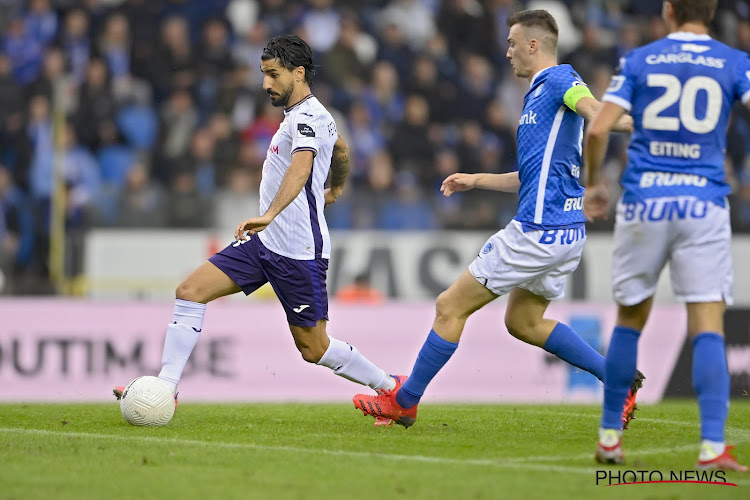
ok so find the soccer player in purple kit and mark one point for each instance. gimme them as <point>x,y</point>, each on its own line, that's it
<point>531,258</point>
<point>680,91</point>
<point>288,245</point>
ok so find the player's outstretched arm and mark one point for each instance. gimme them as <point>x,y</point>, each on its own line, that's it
<point>454,183</point>
<point>294,180</point>
<point>588,108</point>
<point>596,197</point>
<point>339,170</point>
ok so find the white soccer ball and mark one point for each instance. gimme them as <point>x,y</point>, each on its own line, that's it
<point>147,401</point>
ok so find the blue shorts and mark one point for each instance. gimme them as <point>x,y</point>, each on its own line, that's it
<point>300,285</point>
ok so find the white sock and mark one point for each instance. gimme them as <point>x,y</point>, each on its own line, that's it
<point>609,437</point>
<point>711,449</point>
<point>346,361</point>
<point>182,335</point>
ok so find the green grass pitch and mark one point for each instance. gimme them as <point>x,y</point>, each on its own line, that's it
<point>305,451</point>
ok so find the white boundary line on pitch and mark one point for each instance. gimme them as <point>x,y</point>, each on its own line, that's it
<point>518,463</point>
<point>510,463</point>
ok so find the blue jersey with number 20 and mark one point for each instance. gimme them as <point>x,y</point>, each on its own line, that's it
<point>680,91</point>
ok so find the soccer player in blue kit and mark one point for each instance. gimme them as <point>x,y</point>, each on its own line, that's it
<point>679,91</point>
<point>532,256</point>
<point>288,245</point>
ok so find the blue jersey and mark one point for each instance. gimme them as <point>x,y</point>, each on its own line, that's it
<point>549,141</point>
<point>680,91</point>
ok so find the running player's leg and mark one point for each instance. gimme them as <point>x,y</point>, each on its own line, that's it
<point>701,275</point>
<point>229,271</point>
<point>710,374</point>
<point>619,373</point>
<point>640,253</point>
<point>203,285</point>
<point>452,308</point>
<point>524,318</point>
<point>342,358</point>
<point>622,355</point>
<point>300,286</point>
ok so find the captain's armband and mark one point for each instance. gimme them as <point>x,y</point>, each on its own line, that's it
<point>575,94</point>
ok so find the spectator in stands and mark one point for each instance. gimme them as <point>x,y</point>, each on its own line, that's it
<point>41,21</point>
<point>440,93</point>
<point>321,23</point>
<point>240,196</point>
<point>360,291</point>
<point>179,119</point>
<point>96,108</point>
<point>412,19</point>
<point>24,51</point>
<point>173,63</point>
<point>214,63</point>
<point>141,202</point>
<point>76,43</point>
<point>411,147</point>
<point>16,231</point>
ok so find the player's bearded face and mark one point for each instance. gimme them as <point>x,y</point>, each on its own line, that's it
<point>280,98</point>
<point>278,82</point>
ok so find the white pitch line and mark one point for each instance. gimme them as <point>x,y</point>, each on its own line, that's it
<point>510,463</point>
<point>517,463</point>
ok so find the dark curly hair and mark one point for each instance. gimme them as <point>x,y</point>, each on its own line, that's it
<point>291,51</point>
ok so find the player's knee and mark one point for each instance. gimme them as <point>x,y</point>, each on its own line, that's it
<point>311,354</point>
<point>188,291</point>
<point>445,308</point>
<point>517,326</point>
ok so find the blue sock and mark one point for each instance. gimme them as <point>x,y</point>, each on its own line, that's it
<point>622,356</point>
<point>567,345</point>
<point>711,383</point>
<point>435,352</point>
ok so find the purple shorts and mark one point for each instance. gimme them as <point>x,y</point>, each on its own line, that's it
<point>299,284</point>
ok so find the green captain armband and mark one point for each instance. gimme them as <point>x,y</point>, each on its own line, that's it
<point>575,94</point>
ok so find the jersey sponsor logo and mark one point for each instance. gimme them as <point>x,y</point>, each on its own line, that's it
<point>674,149</point>
<point>573,204</point>
<point>562,236</point>
<point>686,57</point>
<point>659,209</point>
<point>667,179</point>
<point>487,248</point>
<point>273,148</point>
<point>692,47</point>
<point>538,91</point>
<point>305,130</point>
<point>528,118</point>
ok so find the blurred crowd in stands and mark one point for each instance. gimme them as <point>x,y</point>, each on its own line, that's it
<point>163,123</point>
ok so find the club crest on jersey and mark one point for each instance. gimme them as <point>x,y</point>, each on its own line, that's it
<point>305,130</point>
<point>487,248</point>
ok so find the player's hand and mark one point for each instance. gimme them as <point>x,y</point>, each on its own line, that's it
<point>251,226</point>
<point>624,124</point>
<point>457,182</point>
<point>331,194</point>
<point>596,202</point>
